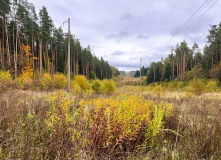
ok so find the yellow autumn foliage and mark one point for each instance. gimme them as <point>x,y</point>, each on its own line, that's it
<point>125,119</point>
<point>75,88</point>
<point>59,81</point>
<point>46,81</point>
<point>82,82</point>
<point>5,78</point>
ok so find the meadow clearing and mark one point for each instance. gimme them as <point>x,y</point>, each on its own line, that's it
<point>99,120</point>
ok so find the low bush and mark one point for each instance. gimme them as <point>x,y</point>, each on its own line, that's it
<point>46,81</point>
<point>82,82</point>
<point>170,86</point>
<point>108,86</point>
<point>75,88</point>
<point>5,78</point>
<point>196,86</point>
<point>96,85</point>
<point>121,124</point>
<point>59,81</point>
<point>212,86</point>
<point>180,85</point>
<point>158,90</point>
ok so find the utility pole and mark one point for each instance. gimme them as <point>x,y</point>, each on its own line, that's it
<point>68,59</point>
<point>140,70</point>
<point>69,37</point>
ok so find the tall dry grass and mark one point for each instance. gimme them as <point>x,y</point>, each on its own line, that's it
<point>193,131</point>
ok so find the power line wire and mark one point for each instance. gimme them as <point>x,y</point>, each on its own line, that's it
<point>196,19</point>
<point>161,26</point>
<point>188,24</point>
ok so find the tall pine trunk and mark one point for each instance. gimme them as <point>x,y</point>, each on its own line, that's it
<point>74,66</point>
<point>1,53</point>
<point>173,70</point>
<point>7,46</point>
<point>177,67</point>
<point>184,64</point>
<point>77,66</point>
<point>216,54</point>
<point>40,56</point>
<point>48,65</point>
<point>3,47</point>
<point>32,48</point>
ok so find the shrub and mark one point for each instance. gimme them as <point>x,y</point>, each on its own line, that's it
<point>24,81</point>
<point>212,86</point>
<point>158,89</point>
<point>46,81</point>
<point>125,121</point>
<point>180,85</point>
<point>196,86</point>
<point>5,78</point>
<point>96,85</point>
<point>108,86</point>
<point>59,81</point>
<point>82,82</point>
<point>75,88</point>
<point>60,123</point>
<point>170,86</point>
<point>19,81</point>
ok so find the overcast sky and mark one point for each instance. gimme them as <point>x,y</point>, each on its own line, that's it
<point>123,31</point>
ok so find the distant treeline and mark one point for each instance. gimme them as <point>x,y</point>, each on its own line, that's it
<point>186,62</point>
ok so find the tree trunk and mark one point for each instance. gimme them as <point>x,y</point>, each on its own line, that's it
<point>74,66</point>
<point>32,48</point>
<point>15,49</point>
<point>1,53</point>
<point>220,56</point>
<point>40,55</point>
<point>173,70</point>
<point>56,58</point>
<point>77,67</point>
<point>184,64</point>
<point>212,60</point>
<point>191,63</point>
<point>3,47</point>
<point>48,65</point>
<point>52,60</point>
<point>177,67</point>
<point>7,45</point>
<point>216,54</point>
<point>195,59</point>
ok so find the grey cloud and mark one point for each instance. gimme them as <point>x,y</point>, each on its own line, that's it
<point>127,16</point>
<point>141,36</point>
<point>117,53</point>
<point>119,36</point>
<point>125,64</point>
<point>141,24</point>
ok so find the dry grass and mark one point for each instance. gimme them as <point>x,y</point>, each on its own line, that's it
<point>197,123</point>
<point>193,131</point>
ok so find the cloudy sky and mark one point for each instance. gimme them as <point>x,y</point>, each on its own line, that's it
<point>123,31</point>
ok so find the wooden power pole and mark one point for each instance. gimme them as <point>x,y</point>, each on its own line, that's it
<point>68,58</point>
<point>69,36</point>
<point>140,70</point>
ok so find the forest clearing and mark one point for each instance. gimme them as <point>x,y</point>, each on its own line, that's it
<point>129,95</point>
<point>98,120</point>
